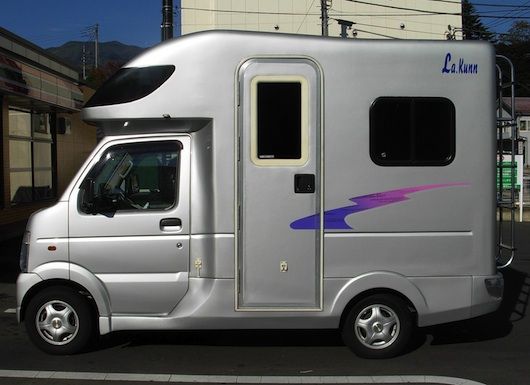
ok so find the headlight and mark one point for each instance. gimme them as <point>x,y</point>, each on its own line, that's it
<point>24,252</point>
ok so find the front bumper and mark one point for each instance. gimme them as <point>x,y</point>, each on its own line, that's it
<point>25,282</point>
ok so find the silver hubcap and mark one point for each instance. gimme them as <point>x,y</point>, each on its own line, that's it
<point>377,326</point>
<point>57,322</point>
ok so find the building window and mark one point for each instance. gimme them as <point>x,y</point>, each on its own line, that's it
<point>279,122</point>
<point>406,131</point>
<point>31,170</point>
<point>524,124</point>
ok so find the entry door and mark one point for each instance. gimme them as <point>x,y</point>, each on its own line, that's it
<point>137,242</point>
<point>279,181</point>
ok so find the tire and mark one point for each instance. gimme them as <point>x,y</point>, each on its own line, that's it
<point>378,326</point>
<point>59,321</point>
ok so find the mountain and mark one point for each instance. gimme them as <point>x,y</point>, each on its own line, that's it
<point>112,51</point>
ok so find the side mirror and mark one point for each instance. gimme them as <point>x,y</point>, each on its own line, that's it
<point>88,205</point>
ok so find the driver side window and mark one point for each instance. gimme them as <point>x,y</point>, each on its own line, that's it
<point>139,176</point>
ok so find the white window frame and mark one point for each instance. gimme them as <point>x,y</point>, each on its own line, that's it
<point>525,119</point>
<point>304,120</point>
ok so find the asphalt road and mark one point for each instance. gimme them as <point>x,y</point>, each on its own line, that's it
<point>493,349</point>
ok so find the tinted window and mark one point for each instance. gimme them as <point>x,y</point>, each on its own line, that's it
<point>412,131</point>
<point>139,176</point>
<point>130,84</point>
<point>279,118</point>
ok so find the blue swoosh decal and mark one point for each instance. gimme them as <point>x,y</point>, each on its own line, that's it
<point>335,219</point>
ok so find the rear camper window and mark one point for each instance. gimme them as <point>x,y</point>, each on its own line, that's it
<point>129,84</point>
<point>279,122</point>
<point>407,131</point>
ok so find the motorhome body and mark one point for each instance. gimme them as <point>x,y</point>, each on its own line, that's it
<point>320,183</point>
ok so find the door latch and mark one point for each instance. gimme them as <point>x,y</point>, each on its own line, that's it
<point>284,266</point>
<point>304,183</point>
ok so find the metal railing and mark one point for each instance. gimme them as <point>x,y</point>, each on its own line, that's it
<point>506,203</point>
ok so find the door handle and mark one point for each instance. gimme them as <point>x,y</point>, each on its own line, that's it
<point>170,224</point>
<point>304,183</point>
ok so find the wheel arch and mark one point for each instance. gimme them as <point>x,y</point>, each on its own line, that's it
<point>381,282</point>
<point>74,277</point>
<point>56,283</point>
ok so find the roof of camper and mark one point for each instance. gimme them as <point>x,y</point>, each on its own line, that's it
<point>226,38</point>
<point>195,70</point>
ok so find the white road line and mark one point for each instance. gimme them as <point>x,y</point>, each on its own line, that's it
<point>439,380</point>
<point>10,311</point>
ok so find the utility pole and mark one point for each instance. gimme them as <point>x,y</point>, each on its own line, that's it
<point>324,17</point>
<point>96,47</point>
<point>83,60</point>
<point>167,19</point>
<point>92,33</point>
<point>344,26</point>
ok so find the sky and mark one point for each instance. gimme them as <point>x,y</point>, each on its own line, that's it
<point>501,25</point>
<point>50,23</point>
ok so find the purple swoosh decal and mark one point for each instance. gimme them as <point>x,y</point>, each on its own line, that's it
<point>336,219</point>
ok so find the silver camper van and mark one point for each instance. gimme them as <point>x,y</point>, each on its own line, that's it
<point>257,181</point>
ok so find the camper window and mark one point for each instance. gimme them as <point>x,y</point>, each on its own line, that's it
<point>279,120</point>
<point>129,84</point>
<point>408,131</point>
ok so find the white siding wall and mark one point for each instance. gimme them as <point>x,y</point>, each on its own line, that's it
<point>303,16</point>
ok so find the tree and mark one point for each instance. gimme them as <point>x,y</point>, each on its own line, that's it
<point>518,34</point>
<point>515,44</point>
<point>97,76</point>
<point>472,26</point>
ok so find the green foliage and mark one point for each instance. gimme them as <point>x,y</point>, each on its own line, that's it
<point>472,26</point>
<point>515,45</point>
<point>97,76</point>
<point>518,34</point>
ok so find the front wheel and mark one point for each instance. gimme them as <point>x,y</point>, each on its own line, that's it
<point>59,321</point>
<point>378,326</point>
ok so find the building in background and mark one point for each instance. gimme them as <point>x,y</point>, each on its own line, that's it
<point>401,19</point>
<point>43,140</point>
<point>522,115</point>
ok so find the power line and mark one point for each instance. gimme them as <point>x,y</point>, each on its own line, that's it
<point>395,14</point>
<point>247,12</point>
<point>420,12</point>
<point>505,17</point>
<point>405,8</point>
<point>496,23</point>
<point>423,11</point>
<point>482,4</point>
<point>305,16</point>
<point>332,15</point>
<point>378,34</point>
<point>379,14</point>
<point>427,13</point>
<point>398,29</point>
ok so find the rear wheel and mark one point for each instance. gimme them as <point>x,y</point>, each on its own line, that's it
<point>378,326</point>
<point>59,321</point>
